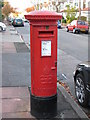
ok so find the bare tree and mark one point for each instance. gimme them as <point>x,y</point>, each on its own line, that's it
<point>57,4</point>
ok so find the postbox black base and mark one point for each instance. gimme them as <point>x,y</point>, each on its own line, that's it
<point>44,107</point>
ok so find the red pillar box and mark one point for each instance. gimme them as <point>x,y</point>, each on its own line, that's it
<point>43,42</point>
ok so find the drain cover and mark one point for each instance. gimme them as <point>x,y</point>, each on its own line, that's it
<point>21,47</point>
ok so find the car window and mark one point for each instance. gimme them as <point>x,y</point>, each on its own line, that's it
<point>18,20</point>
<point>73,23</point>
<point>81,23</point>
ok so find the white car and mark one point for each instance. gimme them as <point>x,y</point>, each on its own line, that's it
<point>2,27</point>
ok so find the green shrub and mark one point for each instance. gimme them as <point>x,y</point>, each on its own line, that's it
<point>63,21</point>
<point>83,18</point>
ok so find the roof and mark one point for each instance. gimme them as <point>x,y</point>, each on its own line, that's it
<point>86,9</point>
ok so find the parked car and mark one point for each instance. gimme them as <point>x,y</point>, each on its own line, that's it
<point>78,26</point>
<point>25,20</point>
<point>82,83</point>
<point>17,22</point>
<point>58,24</point>
<point>2,27</point>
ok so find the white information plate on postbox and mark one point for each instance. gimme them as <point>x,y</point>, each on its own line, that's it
<point>46,48</point>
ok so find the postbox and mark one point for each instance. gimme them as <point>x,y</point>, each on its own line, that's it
<point>43,45</point>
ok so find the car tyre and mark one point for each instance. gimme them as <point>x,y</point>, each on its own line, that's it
<point>78,32</point>
<point>86,32</point>
<point>67,29</point>
<point>74,31</point>
<point>0,29</point>
<point>80,91</point>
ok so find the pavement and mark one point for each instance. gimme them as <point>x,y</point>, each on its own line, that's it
<point>15,59</point>
<point>14,90</point>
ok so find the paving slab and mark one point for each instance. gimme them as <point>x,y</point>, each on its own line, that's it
<point>13,106</point>
<point>0,69</point>
<point>21,47</point>
<point>0,42</point>
<point>14,92</point>
<point>23,115</point>
<point>16,69</point>
<point>15,102</point>
<point>10,35</point>
<point>15,99</point>
<point>0,106</point>
<point>8,47</point>
<point>9,38</point>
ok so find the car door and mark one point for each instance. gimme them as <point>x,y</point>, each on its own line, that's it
<point>71,26</point>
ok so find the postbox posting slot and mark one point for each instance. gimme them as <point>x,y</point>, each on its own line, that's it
<point>46,33</point>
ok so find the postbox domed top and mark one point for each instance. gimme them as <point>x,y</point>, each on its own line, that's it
<point>43,15</point>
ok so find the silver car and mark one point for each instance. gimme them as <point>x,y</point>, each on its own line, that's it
<point>2,27</point>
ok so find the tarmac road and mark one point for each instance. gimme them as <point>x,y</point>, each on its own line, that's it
<point>74,44</point>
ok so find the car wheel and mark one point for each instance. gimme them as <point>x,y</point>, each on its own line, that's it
<point>80,91</point>
<point>67,29</point>
<point>86,32</point>
<point>74,31</point>
<point>0,29</point>
<point>78,32</point>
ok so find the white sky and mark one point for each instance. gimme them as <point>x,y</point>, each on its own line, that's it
<point>23,4</point>
<point>20,4</point>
